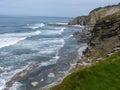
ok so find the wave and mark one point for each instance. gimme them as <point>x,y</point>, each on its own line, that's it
<point>2,84</point>
<point>20,34</point>
<point>68,37</point>
<point>81,49</point>
<point>35,26</point>
<point>52,32</point>
<point>58,31</point>
<point>16,86</point>
<point>51,41</point>
<point>62,23</point>
<point>53,45</point>
<point>4,42</point>
<point>13,38</point>
<point>51,61</point>
<point>7,75</point>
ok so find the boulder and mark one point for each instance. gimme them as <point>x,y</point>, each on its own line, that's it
<point>51,75</point>
<point>34,84</point>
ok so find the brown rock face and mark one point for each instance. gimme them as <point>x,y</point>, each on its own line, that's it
<point>100,13</point>
<point>102,32</point>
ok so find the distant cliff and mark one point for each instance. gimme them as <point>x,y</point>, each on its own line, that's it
<point>95,15</point>
<point>80,20</point>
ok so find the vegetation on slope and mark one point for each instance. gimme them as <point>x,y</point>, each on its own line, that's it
<point>102,76</point>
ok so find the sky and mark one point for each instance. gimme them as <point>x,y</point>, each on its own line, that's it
<point>58,8</point>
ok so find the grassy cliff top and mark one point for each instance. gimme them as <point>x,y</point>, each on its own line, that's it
<point>102,76</point>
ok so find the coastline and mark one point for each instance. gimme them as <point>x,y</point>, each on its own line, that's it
<point>32,67</point>
<point>74,68</point>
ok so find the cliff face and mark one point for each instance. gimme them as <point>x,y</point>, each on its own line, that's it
<point>100,13</point>
<point>104,37</point>
<point>107,27</point>
<point>102,32</point>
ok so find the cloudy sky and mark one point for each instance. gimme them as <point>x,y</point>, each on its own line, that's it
<point>61,8</point>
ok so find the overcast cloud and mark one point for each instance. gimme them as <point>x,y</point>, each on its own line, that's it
<point>63,8</point>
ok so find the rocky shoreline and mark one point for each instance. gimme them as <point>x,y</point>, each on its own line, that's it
<point>71,70</point>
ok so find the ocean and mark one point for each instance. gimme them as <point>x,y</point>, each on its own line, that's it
<point>44,53</point>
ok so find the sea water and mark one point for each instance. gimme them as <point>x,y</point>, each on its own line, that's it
<point>25,41</point>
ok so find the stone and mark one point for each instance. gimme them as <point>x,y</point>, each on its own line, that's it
<point>51,75</point>
<point>42,80</point>
<point>23,74</point>
<point>99,59</point>
<point>34,84</point>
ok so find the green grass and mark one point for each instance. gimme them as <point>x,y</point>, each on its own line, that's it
<point>102,76</point>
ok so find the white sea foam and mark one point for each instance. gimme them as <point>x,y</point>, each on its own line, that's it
<point>35,26</point>
<point>52,61</point>
<point>79,26</point>
<point>52,32</point>
<point>54,45</point>
<point>20,34</point>
<point>7,75</point>
<point>44,45</point>
<point>16,86</point>
<point>51,40</point>
<point>50,49</point>
<point>2,84</point>
<point>62,23</point>
<point>13,38</point>
<point>9,41</point>
<point>81,49</point>
<point>58,31</point>
<point>61,28</point>
<point>69,36</point>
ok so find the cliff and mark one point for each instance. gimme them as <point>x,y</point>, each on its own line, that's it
<point>102,12</point>
<point>99,67</point>
<point>102,32</point>
<point>105,37</point>
<point>95,15</point>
